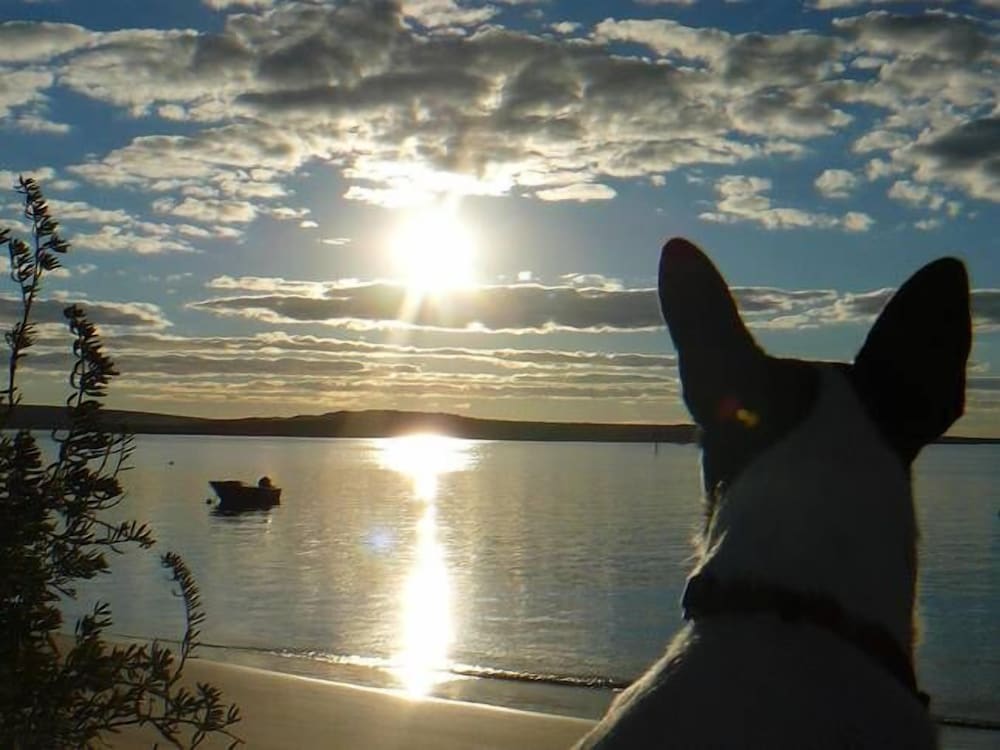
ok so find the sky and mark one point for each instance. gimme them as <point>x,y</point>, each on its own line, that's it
<point>279,208</point>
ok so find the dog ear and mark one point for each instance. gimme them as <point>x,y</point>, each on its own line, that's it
<point>910,373</point>
<point>715,350</point>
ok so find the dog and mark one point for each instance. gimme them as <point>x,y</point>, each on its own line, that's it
<point>799,611</point>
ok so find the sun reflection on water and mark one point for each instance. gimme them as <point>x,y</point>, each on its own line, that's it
<point>427,630</point>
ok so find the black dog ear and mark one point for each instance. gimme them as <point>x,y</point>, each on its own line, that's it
<point>910,373</point>
<point>715,350</point>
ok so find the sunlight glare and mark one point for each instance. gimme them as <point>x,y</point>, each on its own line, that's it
<point>426,597</point>
<point>434,251</point>
<point>423,458</point>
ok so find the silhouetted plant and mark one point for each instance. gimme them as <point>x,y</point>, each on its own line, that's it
<point>72,691</point>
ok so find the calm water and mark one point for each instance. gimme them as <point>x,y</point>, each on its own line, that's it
<point>426,564</point>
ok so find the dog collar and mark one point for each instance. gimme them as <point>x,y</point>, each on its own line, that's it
<point>706,596</point>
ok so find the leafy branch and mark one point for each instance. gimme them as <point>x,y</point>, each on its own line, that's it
<point>53,534</point>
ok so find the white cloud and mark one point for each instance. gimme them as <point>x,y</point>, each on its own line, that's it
<point>289,213</point>
<point>916,195</point>
<point>112,238</point>
<point>30,122</point>
<point>580,191</point>
<point>836,4</point>
<point>437,13</point>
<point>880,140</point>
<point>836,183</point>
<point>856,221</point>
<point>226,4</point>
<point>406,108</point>
<point>876,169</point>
<point>566,27</point>
<point>25,41</point>
<point>208,211</point>
<point>19,88</point>
<point>743,198</point>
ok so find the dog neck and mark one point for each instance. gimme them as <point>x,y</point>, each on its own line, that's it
<point>826,511</point>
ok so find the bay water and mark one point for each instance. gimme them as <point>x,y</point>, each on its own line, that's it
<point>532,575</point>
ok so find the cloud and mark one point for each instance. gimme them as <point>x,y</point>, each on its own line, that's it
<point>33,122</point>
<point>916,195</point>
<point>22,88</point>
<point>856,221</point>
<point>219,158</point>
<point>139,315</point>
<point>585,303</point>
<point>410,101</point>
<point>109,238</point>
<point>87,213</point>
<point>277,285</point>
<point>581,192</point>
<point>304,373</point>
<point>876,169</point>
<point>938,69</point>
<point>566,27</point>
<point>226,4</point>
<point>208,211</point>
<point>986,309</point>
<point>966,156</point>
<point>880,140</point>
<point>280,344</point>
<point>494,112</point>
<point>743,198</point>
<point>934,34</point>
<point>36,42</point>
<point>437,13</point>
<point>836,183</point>
<point>523,308</point>
<point>91,227</point>
<point>750,61</point>
<point>861,308</point>
<point>985,383</point>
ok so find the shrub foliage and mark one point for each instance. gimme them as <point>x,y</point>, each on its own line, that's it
<point>74,691</point>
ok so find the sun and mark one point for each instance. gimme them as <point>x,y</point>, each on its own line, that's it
<point>434,250</point>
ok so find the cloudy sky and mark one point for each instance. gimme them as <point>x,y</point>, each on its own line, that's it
<point>287,207</point>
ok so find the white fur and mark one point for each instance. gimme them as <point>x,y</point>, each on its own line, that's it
<point>828,509</point>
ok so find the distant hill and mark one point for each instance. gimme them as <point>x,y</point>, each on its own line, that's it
<point>372,424</point>
<point>364,424</point>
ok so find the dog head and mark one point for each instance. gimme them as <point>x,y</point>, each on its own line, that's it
<point>806,464</point>
<point>909,374</point>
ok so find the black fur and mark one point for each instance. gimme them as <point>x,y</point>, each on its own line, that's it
<point>744,400</point>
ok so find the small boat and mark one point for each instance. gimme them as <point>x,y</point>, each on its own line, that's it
<point>235,495</point>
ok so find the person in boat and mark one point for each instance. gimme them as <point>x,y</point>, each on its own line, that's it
<point>265,483</point>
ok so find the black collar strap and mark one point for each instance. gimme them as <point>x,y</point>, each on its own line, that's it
<point>706,596</point>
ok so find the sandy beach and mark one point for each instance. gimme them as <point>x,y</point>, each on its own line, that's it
<point>284,711</point>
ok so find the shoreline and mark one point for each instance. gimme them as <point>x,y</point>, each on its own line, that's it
<point>281,710</point>
<point>540,694</point>
<point>387,424</point>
